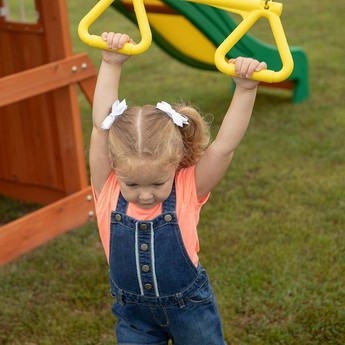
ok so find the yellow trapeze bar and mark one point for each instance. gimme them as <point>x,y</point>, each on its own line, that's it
<point>251,11</point>
<point>129,48</point>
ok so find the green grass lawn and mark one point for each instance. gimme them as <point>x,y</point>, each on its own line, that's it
<point>273,232</point>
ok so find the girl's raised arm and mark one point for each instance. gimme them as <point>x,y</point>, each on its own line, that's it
<point>218,156</point>
<point>106,93</point>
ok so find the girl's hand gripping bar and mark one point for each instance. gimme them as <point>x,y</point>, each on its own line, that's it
<point>129,48</point>
<point>251,11</point>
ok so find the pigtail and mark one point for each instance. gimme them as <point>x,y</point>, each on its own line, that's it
<point>196,135</point>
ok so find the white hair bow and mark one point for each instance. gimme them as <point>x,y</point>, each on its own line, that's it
<point>117,109</point>
<point>178,119</point>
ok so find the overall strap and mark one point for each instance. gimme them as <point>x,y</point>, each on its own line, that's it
<point>169,204</point>
<point>122,204</point>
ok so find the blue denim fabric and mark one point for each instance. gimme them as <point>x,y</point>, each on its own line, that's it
<point>159,293</point>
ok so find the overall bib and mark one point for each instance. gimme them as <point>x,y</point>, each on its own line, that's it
<point>159,293</point>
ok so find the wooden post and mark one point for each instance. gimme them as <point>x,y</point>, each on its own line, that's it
<point>41,143</point>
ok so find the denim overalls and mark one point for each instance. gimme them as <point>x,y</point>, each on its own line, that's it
<point>159,292</point>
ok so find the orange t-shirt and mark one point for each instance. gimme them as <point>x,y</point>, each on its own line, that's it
<point>187,209</point>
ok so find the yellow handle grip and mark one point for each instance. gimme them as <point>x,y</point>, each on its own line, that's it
<point>268,76</point>
<point>97,41</point>
<point>251,11</point>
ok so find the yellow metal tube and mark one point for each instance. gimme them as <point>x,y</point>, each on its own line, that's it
<point>129,48</point>
<point>242,5</point>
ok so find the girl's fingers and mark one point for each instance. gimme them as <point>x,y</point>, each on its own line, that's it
<point>115,40</point>
<point>123,40</point>
<point>241,66</point>
<point>245,67</point>
<point>261,66</point>
<point>252,65</point>
<point>109,38</point>
<point>104,36</point>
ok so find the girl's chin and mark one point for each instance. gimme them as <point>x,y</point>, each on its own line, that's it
<point>147,206</point>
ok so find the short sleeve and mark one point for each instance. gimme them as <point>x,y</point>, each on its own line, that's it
<point>104,203</point>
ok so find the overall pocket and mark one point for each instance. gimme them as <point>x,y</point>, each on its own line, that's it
<point>203,295</point>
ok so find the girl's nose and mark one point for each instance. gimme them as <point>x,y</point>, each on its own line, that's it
<point>145,195</point>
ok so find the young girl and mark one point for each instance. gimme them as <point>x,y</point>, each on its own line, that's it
<point>152,170</point>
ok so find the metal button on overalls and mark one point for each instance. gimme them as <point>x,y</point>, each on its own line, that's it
<point>168,218</point>
<point>143,226</point>
<point>145,268</point>
<point>144,247</point>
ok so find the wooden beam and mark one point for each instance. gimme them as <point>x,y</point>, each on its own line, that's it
<point>286,84</point>
<point>30,192</point>
<point>88,87</point>
<point>35,229</point>
<point>38,80</point>
<point>41,194</point>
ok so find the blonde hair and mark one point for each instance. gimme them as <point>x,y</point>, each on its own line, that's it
<point>143,135</point>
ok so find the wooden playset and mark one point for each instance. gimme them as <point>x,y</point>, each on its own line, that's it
<point>41,146</point>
